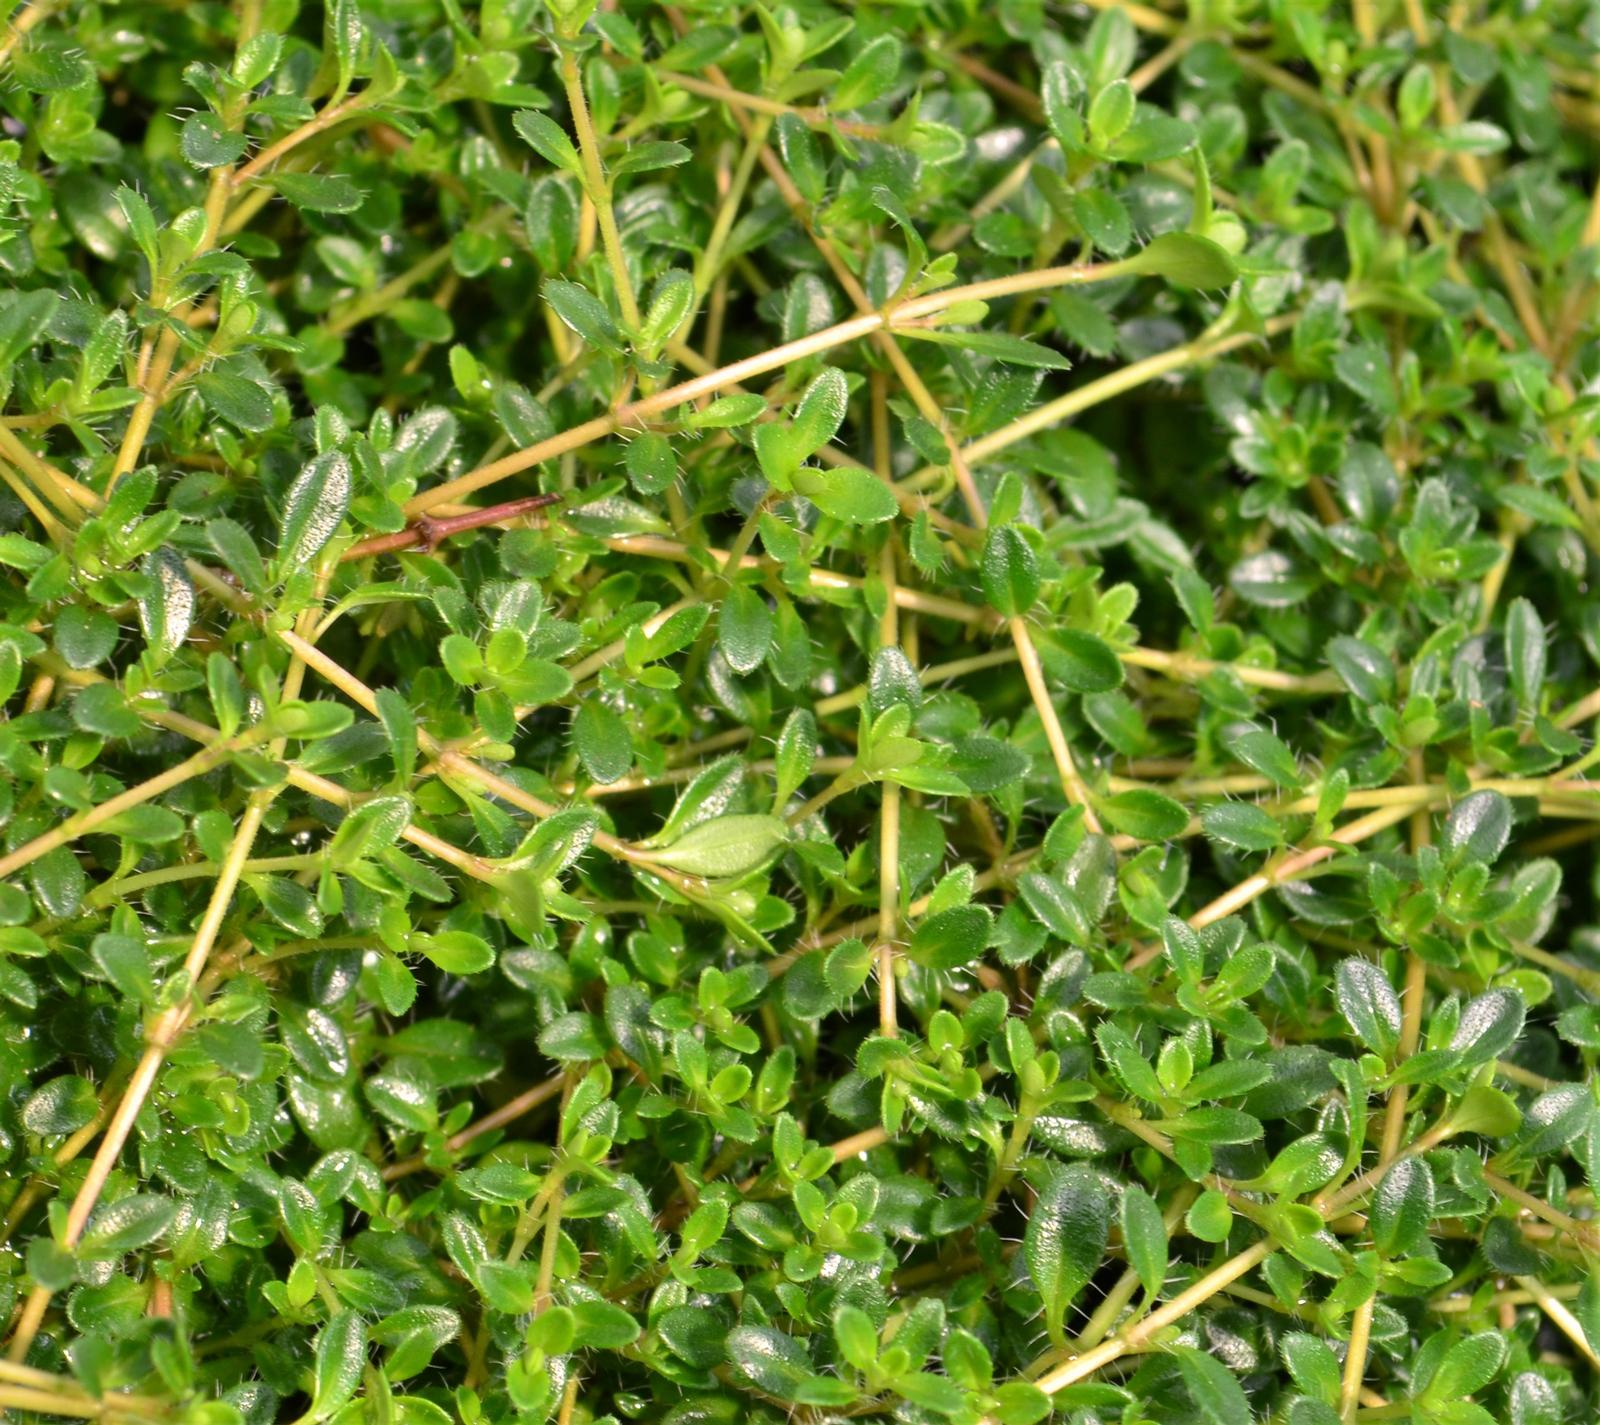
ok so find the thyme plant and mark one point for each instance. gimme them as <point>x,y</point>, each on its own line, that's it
<point>722,712</point>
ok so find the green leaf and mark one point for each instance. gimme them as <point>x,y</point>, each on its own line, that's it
<point>870,74</point>
<point>602,742</point>
<point>99,709</point>
<point>257,58</point>
<point>1154,137</point>
<point>206,144</point>
<point>1468,1366</point>
<point>768,1359</point>
<point>403,1102</point>
<point>1479,826</point>
<point>744,628</point>
<point>1369,1005</point>
<point>342,33</point>
<point>651,464</point>
<point>727,846</point>
<point>1020,1402</point>
<point>1010,573</point>
<point>856,1336</point>
<point>22,322</point>
<point>1066,1238</point>
<point>319,192</point>
<point>548,140</point>
<point>1213,1387</point>
<point>414,1334</point>
<point>1060,90</point>
<point>313,510</point>
<point>166,608</point>
<point>1266,753</point>
<point>341,1353</point>
<point>952,939</point>
<point>550,222</point>
<point>671,305</point>
<point>51,1266</point>
<point>801,157</point>
<point>128,1224</point>
<point>647,157</point>
<point>726,412</point>
<point>583,312</point>
<point>571,1037</point>
<point>1402,1208</point>
<point>85,637</point>
<point>1080,661</point>
<point>1485,1110</point>
<point>1144,1238</point>
<point>931,1392</point>
<point>1367,672</point>
<point>458,952</point>
<point>1214,1125</point>
<point>1489,1025</point>
<point>1129,1065</point>
<point>795,753</point>
<point>1110,113</point>
<point>59,1105</point>
<point>601,1326</point>
<point>50,69</point>
<point>1184,948</point>
<point>400,728</point>
<point>1539,505</point>
<point>237,549</point>
<point>1588,1308</point>
<point>1525,653</point>
<point>1313,1366</point>
<point>19,552</point>
<point>1185,260</point>
<point>58,882</point>
<point>1365,370</point>
<point>694,1335</point>
<point>1055,907</point>
<point>1242,826</point>
<point>1147,815</point>
<point>244,403</point>
<point>1210,1218</point>
<point>126,963</point>
<point>140,219</point>
<point>848,494</point>
<point>820,414</point>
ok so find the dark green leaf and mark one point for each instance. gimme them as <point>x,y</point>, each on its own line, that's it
<point>601,740</point>
<point>1402,1207</point>
<point>1369,1004</point>
<point>313,510</point>
<point>1144,1238</point>
<point>1010,572</point>
<point>319,192</point>
<point>1066,1238</point>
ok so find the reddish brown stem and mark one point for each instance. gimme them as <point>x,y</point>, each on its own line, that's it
<point>427,532</point>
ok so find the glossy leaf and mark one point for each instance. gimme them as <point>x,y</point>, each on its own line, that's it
<point>1066,1238</point>
<point>313,510</point>
<point>1402,1207</point>
<point>1369,1004</point>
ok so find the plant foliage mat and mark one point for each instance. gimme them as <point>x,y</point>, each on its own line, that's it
<point>718,714</point>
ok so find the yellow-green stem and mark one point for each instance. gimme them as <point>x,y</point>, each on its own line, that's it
<point>599,189</point>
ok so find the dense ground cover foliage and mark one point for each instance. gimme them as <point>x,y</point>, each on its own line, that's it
<point>718,713</point>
